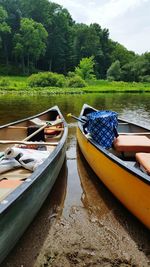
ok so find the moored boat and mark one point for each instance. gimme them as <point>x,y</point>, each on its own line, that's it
<point>121,167</point>
<point>35,148</point>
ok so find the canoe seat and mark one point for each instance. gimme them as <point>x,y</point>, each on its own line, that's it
<point>144,160</point>
<point>48,131</point>
<point>7,186</point>
<point>132,143</point>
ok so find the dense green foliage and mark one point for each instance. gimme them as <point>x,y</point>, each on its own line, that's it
<point>114,71</point>
<point>45,79</point>
<point>50,79</point>
<point>30,42</point>
<point>21,84</point>
<point>86,68</point>
<point>76,82</point>
<point>42,36</point>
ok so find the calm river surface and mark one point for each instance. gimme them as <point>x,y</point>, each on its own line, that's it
<point>72,188</point>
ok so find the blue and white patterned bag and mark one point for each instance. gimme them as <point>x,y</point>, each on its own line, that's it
<point>102,126</point>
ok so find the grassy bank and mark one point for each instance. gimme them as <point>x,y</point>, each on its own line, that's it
<point>19,84</point>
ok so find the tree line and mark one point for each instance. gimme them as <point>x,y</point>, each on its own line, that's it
<point>41,35</point>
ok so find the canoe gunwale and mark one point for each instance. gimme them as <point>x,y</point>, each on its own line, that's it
<point>31,117</point>
<point>11,199</point>
<point>142,176</point>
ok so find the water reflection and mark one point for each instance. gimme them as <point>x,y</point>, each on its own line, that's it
<point>95,198</point>
<point>74,190</point>
<point>134,106</point>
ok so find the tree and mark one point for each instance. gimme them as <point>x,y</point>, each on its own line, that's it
<point>86,42</point>
<point>5,30</point>
<point>86,68</point>
<point>114,71</point>
<point>138,69</point>
<point>30,42</point>
<point>119,52</point>
<point>23,39</point>
<point>103,53</point>
<point>58,52</point>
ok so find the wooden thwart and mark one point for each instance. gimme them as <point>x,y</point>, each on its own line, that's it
<point>24,127</point>
<point>141,133</point>
<point>24,142</point>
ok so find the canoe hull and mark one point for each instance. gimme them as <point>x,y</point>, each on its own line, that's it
<point>25,202</point>
<point>21,213</point>
<point>127,187</point>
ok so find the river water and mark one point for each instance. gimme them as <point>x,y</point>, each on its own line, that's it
<point>77,186</point>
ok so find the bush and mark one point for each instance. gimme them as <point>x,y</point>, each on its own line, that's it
<point>110,78</point>
<point>4,82</point>
<point>85,68</point>
<point>45,79</point>
<point>71,74</point>
<point>145,78</point>
<point>114,71</point>
<point>76,82</point>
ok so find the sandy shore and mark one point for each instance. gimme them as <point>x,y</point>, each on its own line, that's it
<point>99,233</point>
<point>79,241</point>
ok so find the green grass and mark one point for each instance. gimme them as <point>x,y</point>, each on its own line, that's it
<point>106,86</point>
<point>18,83</point>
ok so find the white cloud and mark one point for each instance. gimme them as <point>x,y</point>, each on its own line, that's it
<point>127,20</point>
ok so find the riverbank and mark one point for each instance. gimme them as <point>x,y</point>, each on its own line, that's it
<point>20,84</point>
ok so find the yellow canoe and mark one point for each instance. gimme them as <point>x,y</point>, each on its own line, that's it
<point>121,174</point>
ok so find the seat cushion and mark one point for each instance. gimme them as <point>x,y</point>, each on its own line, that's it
<point>144,160</point>
<point>132,143</point>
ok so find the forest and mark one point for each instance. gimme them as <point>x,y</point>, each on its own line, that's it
<point>42,36</point>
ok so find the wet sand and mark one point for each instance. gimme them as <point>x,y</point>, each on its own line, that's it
<point>81,224</point>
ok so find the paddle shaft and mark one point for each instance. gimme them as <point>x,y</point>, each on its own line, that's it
<point>76,118</point>
<point>34,133</point>
<point>40,129</point>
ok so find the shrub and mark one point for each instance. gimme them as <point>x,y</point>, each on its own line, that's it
<point>4,82</point>
<point>76,82</point>
<point>45,79</point>
<point>110,78</point>
<point>145,78</point>
<point>85,68</point>
<point>114,71</point>
<point>71,74</point>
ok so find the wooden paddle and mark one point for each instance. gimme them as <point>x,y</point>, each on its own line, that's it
<point>34,133</point>
<point>42,127</point>
<point>4,142</point>
<point>76,118</point>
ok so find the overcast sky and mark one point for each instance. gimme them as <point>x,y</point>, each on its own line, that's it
<point>128,21</point>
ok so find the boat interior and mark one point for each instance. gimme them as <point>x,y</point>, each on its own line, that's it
<point>48,138</point>
<point>132,145</point>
